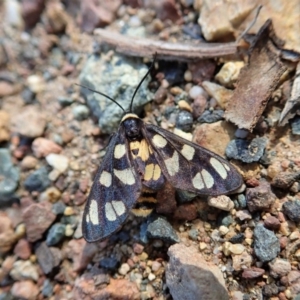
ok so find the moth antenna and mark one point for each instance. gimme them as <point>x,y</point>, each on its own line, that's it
<point>111,99</point>
<point>137,88</point>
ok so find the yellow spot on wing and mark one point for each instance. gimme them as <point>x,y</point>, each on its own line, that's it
<point>134,145</point>
<point>120,150</point>
<point>149,172</point>
<point>105,179</point>
<point>144,150</point>
<point>93,212</point>
<point>219,167</point>
<point>159,141</point>
<point>157,172</point>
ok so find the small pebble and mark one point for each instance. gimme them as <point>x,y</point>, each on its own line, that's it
<point>37,181</point>
<point>124,269</point>
<point>138,248</point>
<point>184,121</point>
<point>80,112</point>
<point>151,277</point>
<point>29,162</point>
<point>55,234</point>
<point>266,244</point>
<point>223,230</point>
<point>209,116</point>
<point>58,161</point>
<point>197,91</point>
<point>292,210</point>
<point>42,147</point>
<point>156,266</point>
<point>252,272</point>
<point>246,151</point>
<point>222,202</point>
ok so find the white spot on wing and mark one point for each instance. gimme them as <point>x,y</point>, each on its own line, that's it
<point>125,176</point>
<point>208,179</point>
<point>105,179</point>
<point>172,164</point>
<point>159,141</point>
<point>120,150</point>
<point>93,212</point>
<point>198,182</point>
<point>219,167</point>
<point>109,212</point>
<point>119,207</point>
<point>226,167</point>
<point>188,152</point>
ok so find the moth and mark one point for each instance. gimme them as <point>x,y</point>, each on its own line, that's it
<point>141,155</point>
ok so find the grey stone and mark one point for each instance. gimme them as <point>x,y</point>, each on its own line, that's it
<point>209,116</point>
<point>160,228</point>
<point>266,244</point>
<point>189,276</point>
<point>9,175</point>
<point>246,151</point>
<point>80,112</point>
<point>55,234</point>
<point>37,181</point>
<point>118,79</point>
<point>47,288</point>
<point>184,121</point>
<point>292,210</point>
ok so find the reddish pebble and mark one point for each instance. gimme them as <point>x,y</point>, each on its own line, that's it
<point>272,223</point>
<point>283,240</point>
<point>252,273</point>
<point>25,289</point>
<point>42,147</point>
<point>281,217</point>
<point>252,182</point>
<point>23,249</point>
<point>138,248</point>
<point>282,296</point>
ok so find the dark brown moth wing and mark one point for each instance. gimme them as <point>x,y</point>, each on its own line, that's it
<point>114,192</point>
<point>189,167</point>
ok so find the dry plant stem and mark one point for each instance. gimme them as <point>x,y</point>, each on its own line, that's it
<point>169,51</point>
<point>166,51</point>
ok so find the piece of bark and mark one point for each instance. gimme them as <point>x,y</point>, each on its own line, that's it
<point>257,80</point>
<point>293,103</point>
<point>179,51</point>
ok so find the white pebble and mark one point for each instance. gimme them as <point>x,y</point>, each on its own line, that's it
<point>124,269</point>
<point>58,162</point>
<point>197,91</point>
<point>151,276</point>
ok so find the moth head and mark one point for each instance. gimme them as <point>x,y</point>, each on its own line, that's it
<point>132,126</point>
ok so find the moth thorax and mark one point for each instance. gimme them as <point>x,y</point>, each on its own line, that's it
<point>132,128</point>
